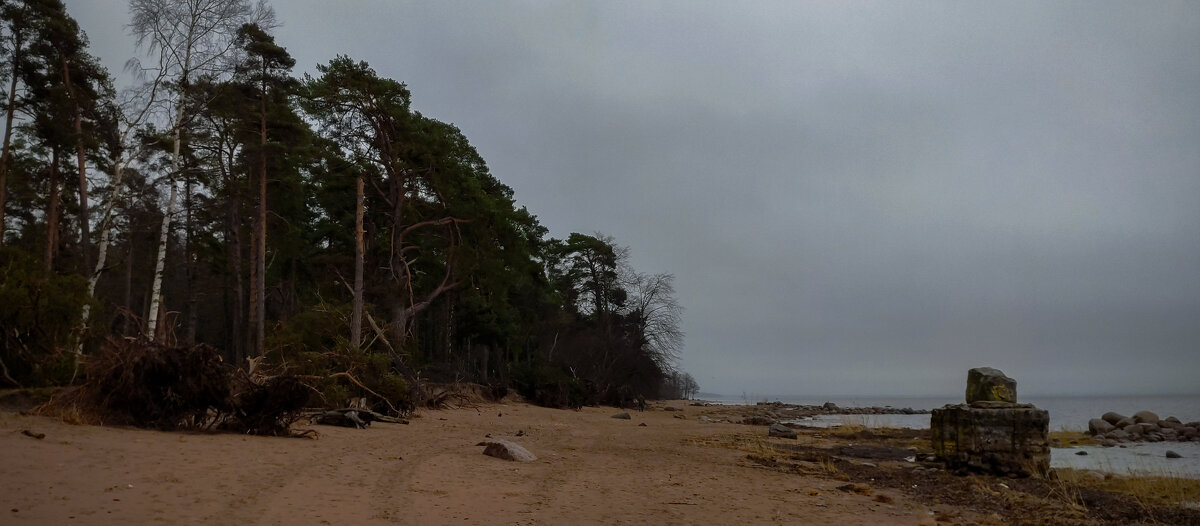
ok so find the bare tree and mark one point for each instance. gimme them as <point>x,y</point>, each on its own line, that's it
<point>656,314</point>
<point>191,38</point>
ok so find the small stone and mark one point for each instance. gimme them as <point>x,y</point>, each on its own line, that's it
<point>508,451</point>
<point>1172,454</point>
<point>1081,453</point>
<point>643,424</point>
<point>622,416</point>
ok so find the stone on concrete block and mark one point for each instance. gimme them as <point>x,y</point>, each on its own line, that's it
<point>988,384</point>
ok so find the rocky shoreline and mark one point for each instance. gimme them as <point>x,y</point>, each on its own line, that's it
<point>768,413</point>
<point>1113,428</point>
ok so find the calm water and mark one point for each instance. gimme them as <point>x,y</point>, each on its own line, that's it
<point>1066,413</point>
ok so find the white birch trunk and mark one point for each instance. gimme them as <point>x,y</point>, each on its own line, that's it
<point>156,289</point>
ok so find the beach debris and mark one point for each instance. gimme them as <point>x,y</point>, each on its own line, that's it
<point>1172,454</point>
<point>506,450</point>
<point>31,434</point>
<point>854,487</point>
<point>781,431</point>
<point>622,416</point>
<point>352,417</point>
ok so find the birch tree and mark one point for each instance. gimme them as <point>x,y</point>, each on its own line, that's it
<point>193,38</point>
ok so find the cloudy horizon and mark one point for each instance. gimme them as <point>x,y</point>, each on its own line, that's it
<point>856,199</point>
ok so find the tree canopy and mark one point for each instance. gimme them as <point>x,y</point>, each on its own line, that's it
<point>324,225</point>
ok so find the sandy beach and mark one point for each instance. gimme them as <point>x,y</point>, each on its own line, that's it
<point>592,469</point>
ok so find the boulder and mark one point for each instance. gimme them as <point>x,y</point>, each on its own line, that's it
<point>1117,434</point>
<point>1168,423</point>
<point>1099,426</point>
<point>988,384</point>
<point>508,451</point>
<point>781,431</point>
<point>1124,422</point>
<point>1134,430</point>
<point>1172,454</point>
<point>1172,420</point>
<point>622,416</point>
<point>1145,417</point>
<point>1112,417</point>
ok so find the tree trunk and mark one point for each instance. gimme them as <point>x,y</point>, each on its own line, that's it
<point>189,266</point>
<point>261,239</point>
<point>125,328</point>
<point>159,266</point>
<point>234,243</point>
<point>357,312</point>
<point>81,160</point>
<point>156,288</point>
<point>52,214</point>
<point>14,71</point>
<point>102,250</point>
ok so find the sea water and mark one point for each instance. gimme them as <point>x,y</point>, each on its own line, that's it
<point>1066,414</point>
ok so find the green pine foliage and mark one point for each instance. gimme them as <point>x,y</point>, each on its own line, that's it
<point>460,282</point>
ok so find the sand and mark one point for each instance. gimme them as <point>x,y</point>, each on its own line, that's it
<point>591,469</point>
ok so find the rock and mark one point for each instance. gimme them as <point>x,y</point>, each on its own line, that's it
<point>508,451</point>
<point>1173,420</point>
<point>1145,417</point>
<point>669,408</point>
<point>757,421</point>
<point>622,416</point>
<point>1170,422</point>
<point>988,384</point>
<point>1172,454</point>
<point>781,431</point>
<point>643,424</point>
<point>1099,426</point>
<point>1135,431</point>
<point>1081,452</point>
<point>1108,442</point>
<point>1117,434</point>
<point>1124,422</point>
<point>1113,418</point>
<point>830,406</point>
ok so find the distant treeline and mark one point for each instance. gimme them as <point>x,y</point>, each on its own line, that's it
<point>317,225</point>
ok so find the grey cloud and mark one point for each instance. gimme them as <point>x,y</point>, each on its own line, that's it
<point>860,198</point>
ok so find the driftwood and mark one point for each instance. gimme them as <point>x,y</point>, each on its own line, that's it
<point>352,417</point>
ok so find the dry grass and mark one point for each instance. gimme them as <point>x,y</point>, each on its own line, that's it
<point>1064,438</point>
<point>1158,489</point>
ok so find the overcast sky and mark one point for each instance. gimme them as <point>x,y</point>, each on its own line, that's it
<point>856,198</point>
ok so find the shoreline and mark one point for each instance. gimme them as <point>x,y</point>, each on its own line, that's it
<point>680,467</point>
